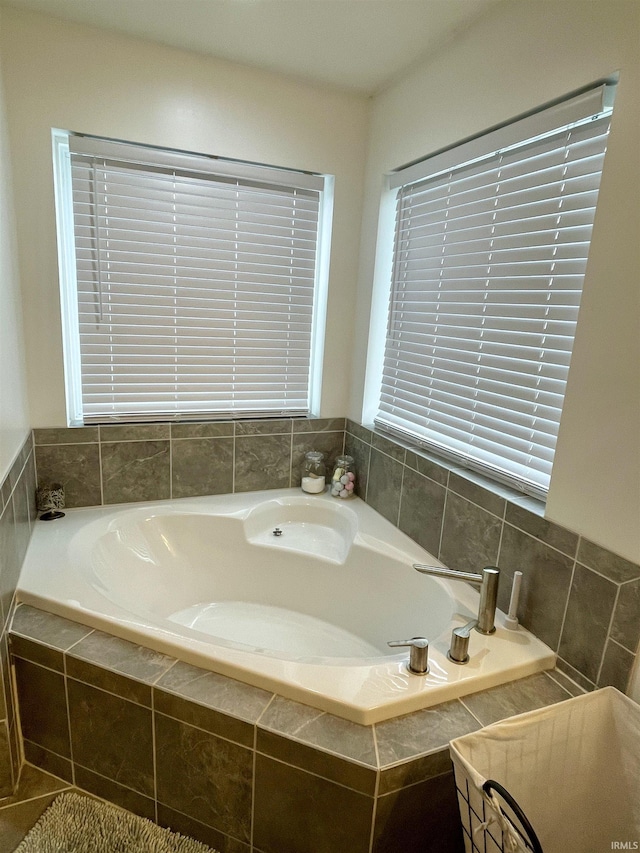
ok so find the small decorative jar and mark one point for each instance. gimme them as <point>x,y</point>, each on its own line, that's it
<point>50,500</point>
<point>343,480</point>
<point>313,473</point>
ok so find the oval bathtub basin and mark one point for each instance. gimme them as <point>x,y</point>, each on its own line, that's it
<point>296,594</point>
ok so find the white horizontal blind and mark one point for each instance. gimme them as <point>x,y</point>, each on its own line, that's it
<point>195,286</point>
<point>488,268</point>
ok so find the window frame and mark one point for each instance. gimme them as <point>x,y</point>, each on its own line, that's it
<point>63,196</point>
<point>519,131</point>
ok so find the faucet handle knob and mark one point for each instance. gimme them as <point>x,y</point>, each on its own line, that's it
<point>459,649</point>
<point>418,656</point>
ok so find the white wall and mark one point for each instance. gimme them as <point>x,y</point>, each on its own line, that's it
<point>83,79</point>
<point>523,54</point>
<point>14,420</point>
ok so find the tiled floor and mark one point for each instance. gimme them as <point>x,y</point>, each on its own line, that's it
<point>35,792</point>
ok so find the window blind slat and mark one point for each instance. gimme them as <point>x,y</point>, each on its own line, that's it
<point>489,259</point>
<point>195,285</point>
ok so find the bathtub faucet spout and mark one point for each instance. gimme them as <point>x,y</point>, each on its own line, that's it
<point>488,582</point>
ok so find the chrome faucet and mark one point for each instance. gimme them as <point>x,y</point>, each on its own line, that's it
<point>488,581</point>
<point>418,655</point>
<point>459,648</point>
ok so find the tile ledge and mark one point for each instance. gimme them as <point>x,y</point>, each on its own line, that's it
<point>417,755</point>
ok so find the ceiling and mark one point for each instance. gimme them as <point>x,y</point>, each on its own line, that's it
<point>357,45</point>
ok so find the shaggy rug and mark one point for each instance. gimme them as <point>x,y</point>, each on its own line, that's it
<point>77,824</point>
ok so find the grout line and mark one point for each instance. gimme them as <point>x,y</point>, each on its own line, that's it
<point>417,782</point>
<point>63,673</point>
<point>254,762</point>
<point>185,438</point>
<point>479,506</point>
<point>153,757</point>
<point>100,468</point>
<point>314,774</point>
<point>309,745</point>
<point>207,731</point>
<point>233,462</point>
<point>444,515</point>
<point>552,674</point>
<point>41,665</point>
<point>499,551</point>
<point>376,788</point>
<point>17,721</point>
<point>374,813</point>
<point>113,782</point>
<point>376,751</point>
<point>68,712</point>
<point>38,642</point>
<point>566,608</point>
<point>66,651</point>
<point>160,675</point>
<point>571,557</point>
<point>68,786</point>
<point>620,646</point>
<point>592,685</point>
<point>606,577</point>
<point>192,819</point>
<point>49,752</point>
<point>397,521</point>
<point>66,443</point>
<point>418,756</point>
<point>467,708</point>
<point>368,480</point>
<point>608,637</point>
<point>172,691</point>
<point>264,710</point>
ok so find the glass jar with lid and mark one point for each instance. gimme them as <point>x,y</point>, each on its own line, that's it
<point>313,472</point>
<point>343,479</point>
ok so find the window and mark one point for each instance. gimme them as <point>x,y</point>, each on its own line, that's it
<point>490,251</point>
<point>192,286</point>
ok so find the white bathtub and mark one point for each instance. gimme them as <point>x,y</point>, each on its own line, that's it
<point>306,614</point>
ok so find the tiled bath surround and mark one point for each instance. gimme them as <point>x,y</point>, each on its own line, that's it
<point>580,599</point>
<point>228,763</point>
<point>17,516</point>
<point>242,769</point>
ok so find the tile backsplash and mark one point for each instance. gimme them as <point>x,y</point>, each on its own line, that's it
<point>580,599</point>
<point>146,462</point>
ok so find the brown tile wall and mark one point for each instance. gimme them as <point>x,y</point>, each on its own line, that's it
<point>17,516</point>
<point>240,768</point>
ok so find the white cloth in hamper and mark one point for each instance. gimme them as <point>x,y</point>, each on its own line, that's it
<point>573,767</point>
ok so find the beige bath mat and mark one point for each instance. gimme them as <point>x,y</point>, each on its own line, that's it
<point>77,824</point>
